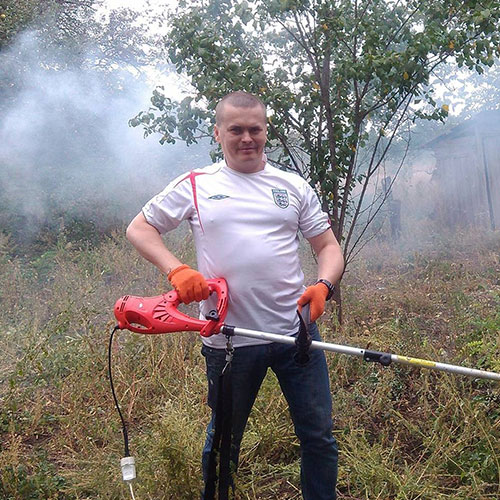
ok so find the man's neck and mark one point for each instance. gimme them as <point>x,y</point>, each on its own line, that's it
<point>247,169</point>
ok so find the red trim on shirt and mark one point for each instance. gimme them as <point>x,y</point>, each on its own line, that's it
<point>192,178</point>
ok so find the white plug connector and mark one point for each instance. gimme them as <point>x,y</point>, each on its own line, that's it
<point>128,468</point>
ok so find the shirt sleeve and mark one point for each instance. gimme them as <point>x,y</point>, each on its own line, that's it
<point>312,220</point>
<point>168,209</point>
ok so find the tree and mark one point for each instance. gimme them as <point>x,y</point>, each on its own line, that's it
<point>340,78</point>
<point>68,35</point>
<point>17,15</point>
<point>472,92</point>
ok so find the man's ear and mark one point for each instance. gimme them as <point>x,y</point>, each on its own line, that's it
<point>216,134</point>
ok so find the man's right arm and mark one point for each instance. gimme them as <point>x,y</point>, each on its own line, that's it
<point>190,284</point>
<point>149,243</point>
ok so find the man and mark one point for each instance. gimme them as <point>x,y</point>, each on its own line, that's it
<point>245,217</point>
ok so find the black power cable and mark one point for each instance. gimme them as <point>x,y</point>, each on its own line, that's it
<point>124,425</point>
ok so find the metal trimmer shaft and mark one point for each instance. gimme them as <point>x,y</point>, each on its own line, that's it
<point>383,358</point>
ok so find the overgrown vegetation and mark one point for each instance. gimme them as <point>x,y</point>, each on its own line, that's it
<point>403,433</point>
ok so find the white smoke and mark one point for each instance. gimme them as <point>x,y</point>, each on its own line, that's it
<point>65,143</point>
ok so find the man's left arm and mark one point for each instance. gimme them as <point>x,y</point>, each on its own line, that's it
<point>329,254</point>
<point>330,268</point>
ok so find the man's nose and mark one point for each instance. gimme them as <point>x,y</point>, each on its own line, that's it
<point>246,136</point>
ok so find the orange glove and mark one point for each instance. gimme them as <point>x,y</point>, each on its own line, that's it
<point>190,284</point>
<point>315,295</point>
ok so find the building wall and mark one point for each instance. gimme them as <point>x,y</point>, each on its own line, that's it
<point>461,176</point>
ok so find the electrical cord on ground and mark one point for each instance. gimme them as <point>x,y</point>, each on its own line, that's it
<point>124,425</point>
<point>131,490</point>
<point>127,462</point>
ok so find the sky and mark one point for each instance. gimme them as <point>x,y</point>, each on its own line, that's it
<point>133,4</point>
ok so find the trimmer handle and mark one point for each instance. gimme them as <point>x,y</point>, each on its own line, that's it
<point>152,315</point>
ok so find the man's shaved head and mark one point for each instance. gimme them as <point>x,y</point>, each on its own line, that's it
<point>237,99</point>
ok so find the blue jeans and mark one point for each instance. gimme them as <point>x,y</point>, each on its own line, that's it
<point>307,391</point>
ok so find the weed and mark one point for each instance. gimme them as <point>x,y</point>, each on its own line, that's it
<point>403,433</point>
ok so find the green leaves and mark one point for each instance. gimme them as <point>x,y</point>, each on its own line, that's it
<point>243,12</point>
<point>175,121</point>
<point>333,74</point>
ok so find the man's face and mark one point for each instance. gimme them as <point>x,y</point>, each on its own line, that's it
<point>242,134</point>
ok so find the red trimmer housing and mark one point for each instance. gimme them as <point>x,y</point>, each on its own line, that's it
<point>153,315</point>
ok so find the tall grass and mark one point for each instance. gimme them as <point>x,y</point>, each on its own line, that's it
<point>403,433</point>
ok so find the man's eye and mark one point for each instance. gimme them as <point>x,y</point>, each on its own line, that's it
<point>235,130</point>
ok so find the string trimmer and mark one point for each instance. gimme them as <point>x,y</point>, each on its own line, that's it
<point>155,315</point>
<point>160,314</point>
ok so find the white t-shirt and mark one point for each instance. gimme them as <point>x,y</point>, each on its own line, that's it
<point>245,229</point>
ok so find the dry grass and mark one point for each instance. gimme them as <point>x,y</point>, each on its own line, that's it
<point>403,433</point>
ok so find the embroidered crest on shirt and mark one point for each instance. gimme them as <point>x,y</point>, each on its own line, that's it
<point>218,197</point>
<point>281,197</point>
